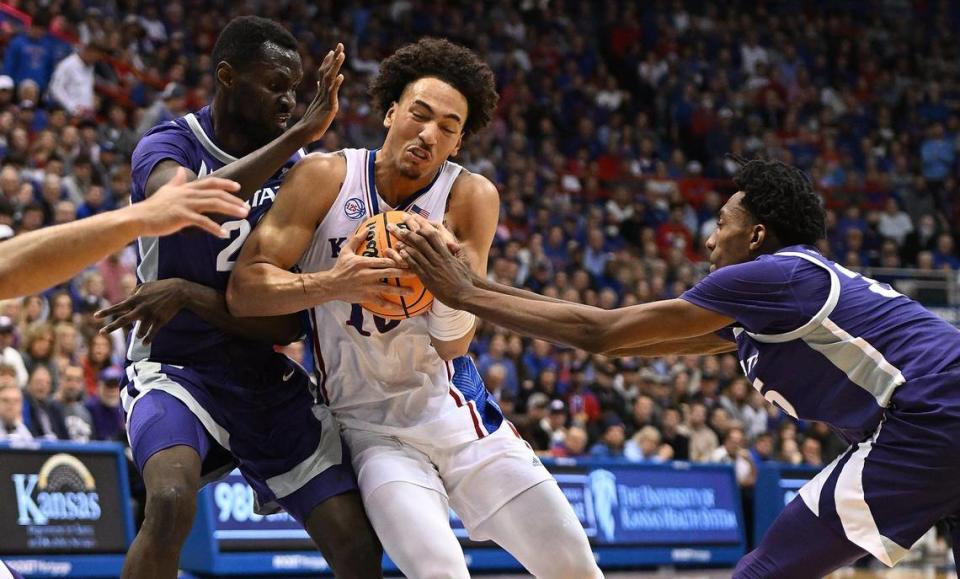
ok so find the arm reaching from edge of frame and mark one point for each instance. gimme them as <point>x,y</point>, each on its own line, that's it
<point>40,259</point>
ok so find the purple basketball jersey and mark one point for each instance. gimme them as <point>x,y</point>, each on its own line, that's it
<point>822,342</point>
<point>191,254</point>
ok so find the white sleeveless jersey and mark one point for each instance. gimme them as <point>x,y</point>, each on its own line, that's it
<point>384,375</point>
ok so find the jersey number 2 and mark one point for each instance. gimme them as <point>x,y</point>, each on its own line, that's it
<point>227,258</point>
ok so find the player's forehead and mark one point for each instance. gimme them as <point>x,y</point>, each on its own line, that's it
<point>440,97</point>
<point>733,209</point>
<point>274,60</point>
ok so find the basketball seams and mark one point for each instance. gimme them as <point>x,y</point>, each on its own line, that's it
<point>396,280</point>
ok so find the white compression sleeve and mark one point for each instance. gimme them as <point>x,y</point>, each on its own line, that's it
<point>447,324</point>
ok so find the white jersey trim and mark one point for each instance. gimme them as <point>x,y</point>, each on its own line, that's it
<point>208,144</point>
<point>147,376</point>
<point>832,298</point>
<point>858,523</point>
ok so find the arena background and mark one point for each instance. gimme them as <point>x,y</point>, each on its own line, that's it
<point>608,148</point>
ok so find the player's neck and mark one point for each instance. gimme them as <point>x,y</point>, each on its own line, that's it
<point>229,134</point>
<point>392,185</point>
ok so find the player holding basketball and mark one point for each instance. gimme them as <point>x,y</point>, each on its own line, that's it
<point>415,413</point>
<point>819,341</point>
<point>205,390</point>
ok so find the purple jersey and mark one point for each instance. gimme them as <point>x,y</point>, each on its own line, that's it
<point>191,254</point>
<point>825,343</point>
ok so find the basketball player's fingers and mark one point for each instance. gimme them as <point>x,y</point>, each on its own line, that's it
<point>208,225</point>
<point>436,241</point>
<point>335,89</point>
<point>179,177</point>
<point>117,308</point>
<point>214,183</point>
<point>144,328</point>
<point>338,58</point>
<point>394,290</point>
<point>395,256</point>
<point>389,272</point>
<point>416,245</point>
<point>127,319</point>
<point>418,264</point>
<point>145,332</point>
<point>355,242</point>
<point>218,203</point>
<point>409,226</point>
<point>152,332</point>
<point>378,263</point>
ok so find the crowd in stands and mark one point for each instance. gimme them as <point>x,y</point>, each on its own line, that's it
<point>610,149</point>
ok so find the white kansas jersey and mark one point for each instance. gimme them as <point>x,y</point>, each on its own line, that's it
<point>384,375</point>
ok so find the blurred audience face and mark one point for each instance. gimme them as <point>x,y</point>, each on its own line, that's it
<point>71,384</point>
<point>40,384</point>
<point>110,393</point>
<point>11,404</point>
<point>576,440</point>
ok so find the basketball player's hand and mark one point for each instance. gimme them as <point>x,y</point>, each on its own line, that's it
<point>427,252</point>
<point>322,110</point>
<point>153,304</point>
<point>415,223</point>
<point>179,204</point>
<point>361,279</point>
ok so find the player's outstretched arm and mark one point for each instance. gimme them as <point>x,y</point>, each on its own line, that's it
<point>263,285</point>
<point>706,344</point>
<point>592,329</point>
<point>40,259</point>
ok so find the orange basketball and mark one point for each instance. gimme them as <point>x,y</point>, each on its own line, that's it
<point>378,239</point>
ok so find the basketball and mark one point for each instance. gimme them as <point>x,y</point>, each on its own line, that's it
<point>378,239</point>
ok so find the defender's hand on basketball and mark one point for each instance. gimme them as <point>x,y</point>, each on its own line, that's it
<point>153,304</point>
<point>416,222</point>
<point>179,204</point>
<point>325,105</point>
<point>361,279</point>
<point>426,249</point>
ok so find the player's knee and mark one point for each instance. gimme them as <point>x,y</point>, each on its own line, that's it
<point>441,564</point>
<point>355,555</point>
<point>571,558</point>
<point>170,511</point>
<point>574,566</point>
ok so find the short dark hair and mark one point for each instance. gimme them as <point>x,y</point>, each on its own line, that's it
<point>455,65</point>
<point>242,39</point>
<point>782,198</point>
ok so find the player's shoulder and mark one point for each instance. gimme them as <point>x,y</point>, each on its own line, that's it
<point>327,166</point>
<point>168,133</point>
<point>173,128</point>
<point>785,266</point>
<point>474,185</point>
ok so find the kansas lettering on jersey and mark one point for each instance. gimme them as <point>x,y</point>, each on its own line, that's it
<point>191,254</point>
<point>825,343</point>
<point>384,375</point>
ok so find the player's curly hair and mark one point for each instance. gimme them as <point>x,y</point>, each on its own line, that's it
<point>782,198</point>
<point>455,65</point>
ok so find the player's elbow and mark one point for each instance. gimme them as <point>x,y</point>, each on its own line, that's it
<point>238,303</point>
<point>451,350</point>
<point>593,342</point>
<point>594,335</point>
